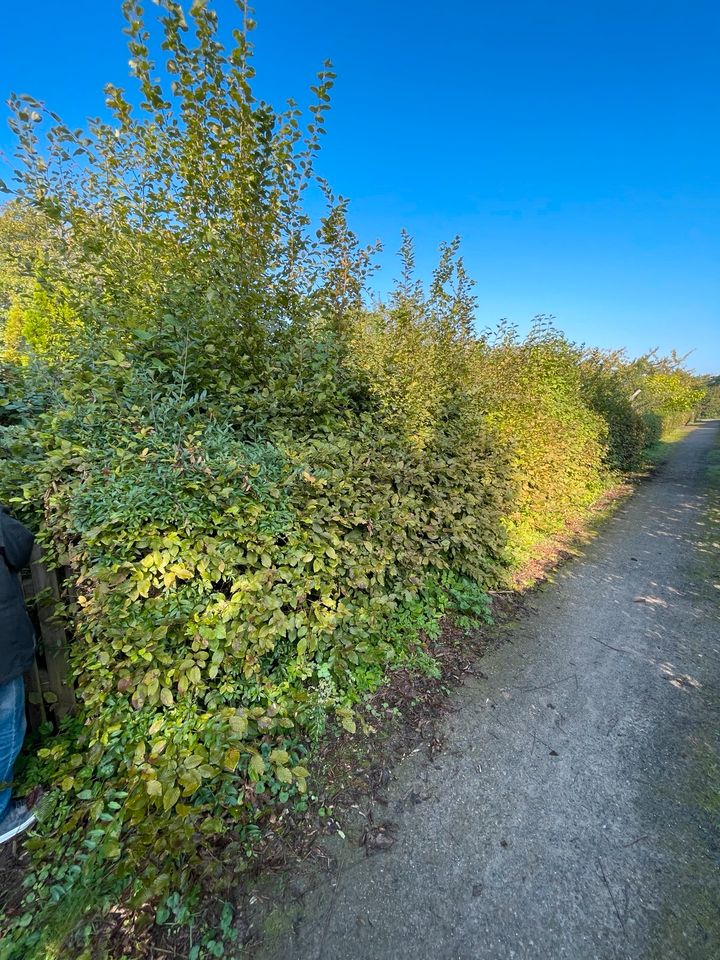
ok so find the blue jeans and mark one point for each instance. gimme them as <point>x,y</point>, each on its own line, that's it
<point>12,733</point>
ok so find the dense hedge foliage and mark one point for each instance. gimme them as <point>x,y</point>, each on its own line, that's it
<point>531,390</point>
<point>267,491</point>
<point>710,403</point>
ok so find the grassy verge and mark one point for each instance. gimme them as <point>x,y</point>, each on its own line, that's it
<point>713,469</point>
<point>658,453</point>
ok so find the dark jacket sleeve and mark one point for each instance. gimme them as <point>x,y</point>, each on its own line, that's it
<point>16,542</point>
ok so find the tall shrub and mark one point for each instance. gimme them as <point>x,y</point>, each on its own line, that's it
<point>530,391</point>
<point>202,431</point>
<point>610,389</point>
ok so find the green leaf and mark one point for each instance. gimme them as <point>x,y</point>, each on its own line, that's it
<point>238,724</point>
<point>170,797</point>
<point>257,765</point>
<point>153,788</point>
<point>283,774</point>
<point>112,850</point>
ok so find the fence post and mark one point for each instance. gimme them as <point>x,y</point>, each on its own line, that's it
<point>53,634</point>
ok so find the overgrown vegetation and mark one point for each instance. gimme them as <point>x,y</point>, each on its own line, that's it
<point>268,492</point>
<point>710,403</point>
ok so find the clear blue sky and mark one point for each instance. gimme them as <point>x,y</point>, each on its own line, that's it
<point>575,146</point>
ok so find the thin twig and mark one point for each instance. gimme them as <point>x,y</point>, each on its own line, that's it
<point>645,836</point>
<point>615,907</point>
<point>611,647</point>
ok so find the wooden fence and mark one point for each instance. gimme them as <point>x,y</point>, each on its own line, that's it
<point>50,693</point>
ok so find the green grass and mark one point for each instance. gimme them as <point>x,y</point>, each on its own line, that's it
<point>713,468</point>
<point>658,453</point>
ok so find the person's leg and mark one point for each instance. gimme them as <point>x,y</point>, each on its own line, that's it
<point>12,734</point>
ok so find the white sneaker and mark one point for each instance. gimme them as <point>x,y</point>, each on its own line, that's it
<point>17,819</point>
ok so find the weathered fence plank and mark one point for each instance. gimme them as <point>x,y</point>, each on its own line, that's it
<point>36,685</point>
<point>45,583</point>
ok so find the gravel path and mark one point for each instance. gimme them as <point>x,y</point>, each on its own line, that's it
<point>575,810</point>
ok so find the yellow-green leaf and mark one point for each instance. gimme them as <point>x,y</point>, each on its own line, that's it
<point>283,774</point>
<point>257,765</point>
<point>170,797</point>
<point>154,788</point>
<point>238,724</point>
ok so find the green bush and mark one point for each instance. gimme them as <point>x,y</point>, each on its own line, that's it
<point>710,403</point>
<point>608,389</point>
<point>641,400</point>
<point>669,396</point>
<point>530,390</point>
<point>231,594</point>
